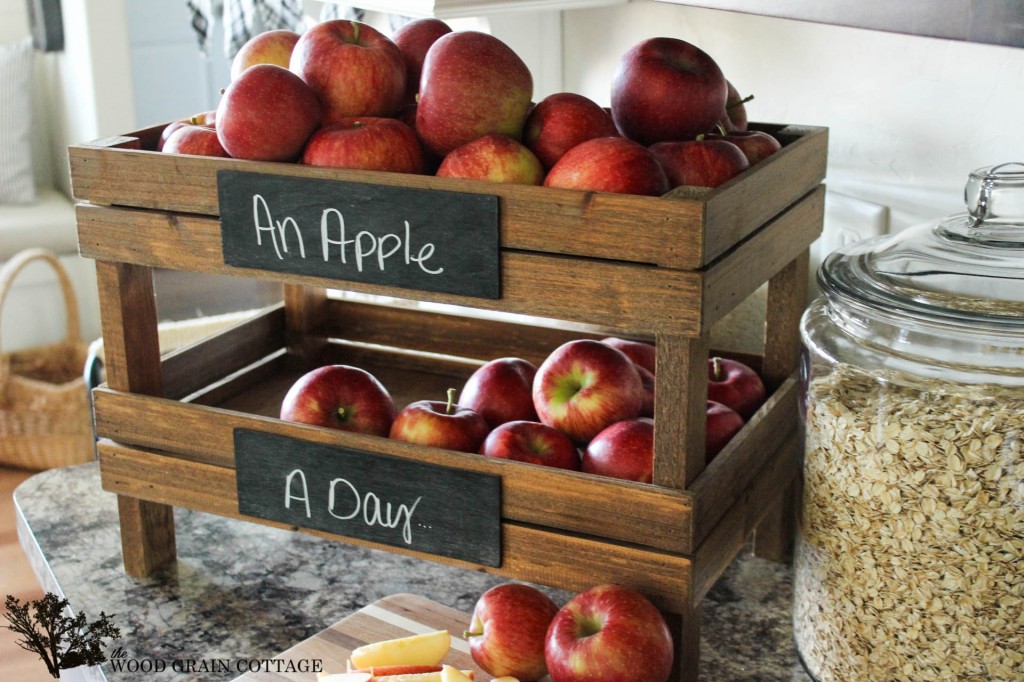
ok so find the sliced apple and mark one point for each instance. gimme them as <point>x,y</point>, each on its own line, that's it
<point>505,678</point>
<point>422,677</point>
<point>450,674</point>
<point>344,677</point>
<point>428,648</point>
<point>392,670</point>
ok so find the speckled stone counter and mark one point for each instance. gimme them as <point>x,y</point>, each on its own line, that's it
<point>244,591</point>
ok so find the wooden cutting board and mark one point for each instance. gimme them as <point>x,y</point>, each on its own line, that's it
<point>399,615</point>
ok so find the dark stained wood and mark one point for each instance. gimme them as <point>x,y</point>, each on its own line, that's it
<point>529,553</point>
<point>680,406</point>
<point>631,512</point>
<point>132,360</point>
<point>787,298</point>
<point>671,233</point>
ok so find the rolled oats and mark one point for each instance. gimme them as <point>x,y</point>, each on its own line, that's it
<point>910,556</point>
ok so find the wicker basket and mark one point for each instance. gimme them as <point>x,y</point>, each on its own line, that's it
<point>45,419</point>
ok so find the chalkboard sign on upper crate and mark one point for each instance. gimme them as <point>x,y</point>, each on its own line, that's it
<point>425,240</point>
<point>414,505</point>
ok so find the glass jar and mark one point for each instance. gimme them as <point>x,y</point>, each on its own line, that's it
<point>910,549</point>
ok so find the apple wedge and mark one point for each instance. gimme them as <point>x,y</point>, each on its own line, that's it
<point>450,674</point>
<point>428,648</point>
<point>424,677</point>
<point>344,677</point>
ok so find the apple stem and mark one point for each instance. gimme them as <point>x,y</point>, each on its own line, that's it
<point>721,129</point>
<point>716,369</point>
<point>737,103</point>
<point>700,138</point>
<point>451,401</point>
<point>466,634</point>
<point>341,413</point>
<point>355,32</point>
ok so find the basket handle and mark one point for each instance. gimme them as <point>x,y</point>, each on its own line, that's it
<point>17,262</point>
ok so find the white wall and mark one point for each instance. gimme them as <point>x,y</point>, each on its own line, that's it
<point>909,117</point>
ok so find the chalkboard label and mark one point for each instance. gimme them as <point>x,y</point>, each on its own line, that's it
<point>413,505</point>
<point>426,240</point>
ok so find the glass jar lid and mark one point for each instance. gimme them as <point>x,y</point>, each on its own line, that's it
<point>966,269</point>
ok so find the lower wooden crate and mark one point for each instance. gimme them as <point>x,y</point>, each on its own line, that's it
<point>178,450</point>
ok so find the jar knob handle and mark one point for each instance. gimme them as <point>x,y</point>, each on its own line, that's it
<point>996,192</point>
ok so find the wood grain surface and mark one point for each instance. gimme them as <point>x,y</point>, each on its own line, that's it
<point>399,615</point>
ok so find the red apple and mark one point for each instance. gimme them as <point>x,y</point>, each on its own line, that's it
<point>585,386</point>
<point>340,397</point>
<point>648,381</point>
<point>472,85</point>
<point>507,631</point>
<point>366,143</point>
<point>533,442</point>
<point>440,424</point>
<point>700,162</point>
<point>640,352</point>
<point>267,114</point>
<point>413,41</point>
<point>269,47</point>
<point>355,69</point>
<point>610,633</point>
<point>501,391</point>
<point>205,118</point>
<point>667,89</point>
<point>609,164</point>
<point>493,158</point>
<point>735,117</point>
<point>754,144</point>
<point>194,140</point>
<point>722,424</point>
<point>623,450</point>
<point>735,385</point>
<point>561,121</point>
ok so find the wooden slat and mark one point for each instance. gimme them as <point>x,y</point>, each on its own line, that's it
<point>132,359</point>
<point>729,537</point>
<point>528,553</point>
<point>680,406</point>
<point>622,227</point>
<point>621,510</point>
<point>730,281</point>
<point>617,295</point>
<point>461,335</point>
<point>787,298</point>
<point>756,198</point>
<point>305,314</point>
<point>194,367</point>
<point>724,481</point>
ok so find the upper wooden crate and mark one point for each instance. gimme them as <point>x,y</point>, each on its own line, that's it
<point>673,264</point>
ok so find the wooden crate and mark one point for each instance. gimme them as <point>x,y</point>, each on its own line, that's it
<point>663,269</point>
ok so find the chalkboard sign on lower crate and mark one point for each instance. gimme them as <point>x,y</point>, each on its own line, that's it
<point>413,505</point>
<point>426,240</point>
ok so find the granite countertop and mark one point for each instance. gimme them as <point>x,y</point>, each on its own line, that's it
<point>242,590</point>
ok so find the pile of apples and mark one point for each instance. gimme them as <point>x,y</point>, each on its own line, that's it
<point>518,634</point>
<point>588,407</point>
<point>459,104</point>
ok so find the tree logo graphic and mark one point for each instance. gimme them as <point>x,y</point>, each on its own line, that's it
<point>62,641</point>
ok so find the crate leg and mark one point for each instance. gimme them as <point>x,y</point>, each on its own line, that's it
<point>679,419</point>
<point>685,629</point>
<point>147,535</point>
<point>787,298</point>
<point>304,314</point>
<point>131,350</point>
